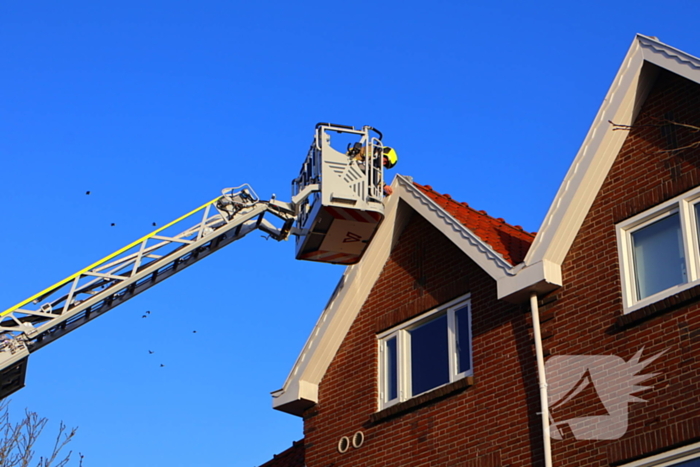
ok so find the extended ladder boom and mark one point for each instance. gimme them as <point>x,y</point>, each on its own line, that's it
<point>335,210</point>
<point>91,292</point>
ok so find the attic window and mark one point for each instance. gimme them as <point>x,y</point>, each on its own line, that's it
<point>425,353</point>
<point>659,251</point>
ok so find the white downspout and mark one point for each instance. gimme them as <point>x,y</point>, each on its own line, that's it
<point>544,403</point>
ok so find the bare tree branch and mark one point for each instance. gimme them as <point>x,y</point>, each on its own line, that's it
<point>663,122</point>
<point>18,440</point>
<point>619,126</point>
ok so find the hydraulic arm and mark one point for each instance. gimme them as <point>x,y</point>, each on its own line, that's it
<point>105,284</point>
<point>336,208</point>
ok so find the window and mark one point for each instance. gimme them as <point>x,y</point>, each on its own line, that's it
<point>425,353</point>
<point>658,251</point>
<point>686,456</point>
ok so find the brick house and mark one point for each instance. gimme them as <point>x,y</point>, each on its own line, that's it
<point>432,349</point>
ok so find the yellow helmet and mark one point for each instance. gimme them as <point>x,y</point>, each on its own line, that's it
<point>391,157</point>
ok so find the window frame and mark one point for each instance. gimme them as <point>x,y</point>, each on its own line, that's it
<point>403,367</point>
<point>685,206</point>
<point>669,458</point>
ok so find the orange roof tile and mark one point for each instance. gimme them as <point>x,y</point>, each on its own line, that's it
<point>511,242</point>
<point>292,457</point>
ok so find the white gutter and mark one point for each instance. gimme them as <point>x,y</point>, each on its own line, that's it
<point>544,403</point>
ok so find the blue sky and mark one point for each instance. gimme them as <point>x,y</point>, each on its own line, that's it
<point>156,106</point>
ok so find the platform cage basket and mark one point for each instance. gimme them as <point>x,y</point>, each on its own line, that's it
<point>344,169</point>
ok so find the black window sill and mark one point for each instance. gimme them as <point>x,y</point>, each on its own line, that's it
<point>422,400</point>
<point>666,305</point>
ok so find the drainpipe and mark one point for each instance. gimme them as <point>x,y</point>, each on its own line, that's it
<point>544,404</point>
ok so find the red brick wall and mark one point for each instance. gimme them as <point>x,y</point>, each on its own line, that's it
<point>587,312</point>
<point>486,424</point>
<point>490,423</point>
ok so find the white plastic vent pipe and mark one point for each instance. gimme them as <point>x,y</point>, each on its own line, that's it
<point>544,403</point>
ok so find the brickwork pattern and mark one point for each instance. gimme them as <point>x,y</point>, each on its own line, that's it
<point>587,310</point>
<point>487,424</point>
<point>494,422</point>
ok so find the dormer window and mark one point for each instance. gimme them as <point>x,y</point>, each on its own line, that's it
<point>425,353</point>
<point>658,251</point>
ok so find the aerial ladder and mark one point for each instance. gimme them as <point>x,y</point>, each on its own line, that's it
<point>335,209</point>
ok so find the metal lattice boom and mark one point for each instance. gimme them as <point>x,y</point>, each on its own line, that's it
<point>96,289</point>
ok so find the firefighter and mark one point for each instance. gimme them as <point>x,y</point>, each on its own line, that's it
<point>389,160</point>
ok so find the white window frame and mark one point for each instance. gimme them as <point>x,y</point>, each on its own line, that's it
<point>685,206</point>
<point>669,458</point>
<point>401,332</point>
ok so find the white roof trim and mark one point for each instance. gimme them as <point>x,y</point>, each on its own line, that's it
<point>478,250</point>
<point>300,390</point>
<point>542,265</point>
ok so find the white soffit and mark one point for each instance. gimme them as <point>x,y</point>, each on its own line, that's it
<point>300,390</point>
<point>594,160</point>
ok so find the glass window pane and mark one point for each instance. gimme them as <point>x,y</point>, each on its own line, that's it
<point>392,376</point>
<point>697,221</point>
<point>659,260</point>
<point>429,355</point>
<point>692,462</point>
<point>462,339</point>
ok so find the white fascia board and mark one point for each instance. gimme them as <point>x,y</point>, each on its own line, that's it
<point>593,162</point>
<point>300,390</point>
<point>296,397</point>
<point>579,187</point>
<point>541,277</point>
<point>672,59</point>
<point>301,387</point>
<point>479,251</point>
